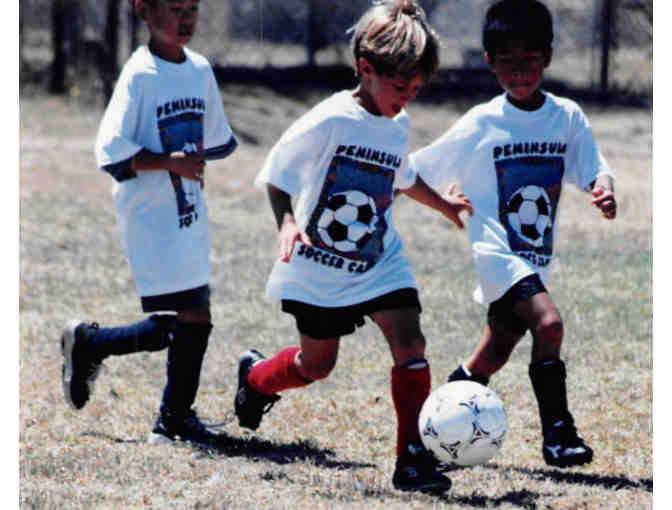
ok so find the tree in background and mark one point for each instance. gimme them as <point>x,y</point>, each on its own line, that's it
<point>65,38</point>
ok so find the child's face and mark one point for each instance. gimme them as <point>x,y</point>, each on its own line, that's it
<point>172,23</point>
<point>387,95</point>
<point>519,71</point>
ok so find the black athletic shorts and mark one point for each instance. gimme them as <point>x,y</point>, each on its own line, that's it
<point>320,322</point>
<point>192,299</point>
<point>501,312</point>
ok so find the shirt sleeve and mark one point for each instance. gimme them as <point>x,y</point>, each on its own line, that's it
<point>441,162</point>
<point>294,162</point>
<point>218,138</point>
<point>585,161</point>
<point>116,139</point>
<point>405,176</point>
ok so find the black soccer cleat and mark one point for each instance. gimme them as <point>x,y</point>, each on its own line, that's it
<point>80,366</point>
<point>190,429</point>
<point>416,470</point>
<point>460,374</point>
<point>250,405</point>
<point>563,447</point>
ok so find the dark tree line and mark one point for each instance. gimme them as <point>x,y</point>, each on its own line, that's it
<point>309,25</point>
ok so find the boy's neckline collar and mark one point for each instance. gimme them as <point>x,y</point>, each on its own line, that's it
<point>516,109</point>
<point>367,113</point>
<point>167,63</point>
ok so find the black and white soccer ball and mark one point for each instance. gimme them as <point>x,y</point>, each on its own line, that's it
<point>463,422</point>
<point>529,214</point>
<point>348,221</point>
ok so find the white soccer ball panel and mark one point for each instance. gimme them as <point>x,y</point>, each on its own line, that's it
<point>531,192</point>
<point>346,214</point>
<point>356,231</point>
<point>543,222</point>
<point>326,218</point>
<point>372,203</point>
<point>357,198</point>
<point>463,422</point>
<point>528,213</point>
<point>514,221</point>
<point>324,235</point>
<point>345,246</point>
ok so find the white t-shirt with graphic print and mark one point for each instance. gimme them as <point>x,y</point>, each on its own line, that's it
<point>341,165</point>
<point>163,107</point>
<point>511,164</point>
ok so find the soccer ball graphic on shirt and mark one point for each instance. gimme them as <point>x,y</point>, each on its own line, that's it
<point>529,214</point>
<point>347,221</point>
<point>463,422</point>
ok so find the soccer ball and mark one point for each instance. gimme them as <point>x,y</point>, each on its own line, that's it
<point>463,422</point>
<point>529,214</point>
<point>348,221</point>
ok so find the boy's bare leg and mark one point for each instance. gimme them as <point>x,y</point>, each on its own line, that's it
<point>317,357</point>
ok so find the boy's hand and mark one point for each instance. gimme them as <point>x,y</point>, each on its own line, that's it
<point>287,237</point>
<point>458,202</point>
<point>605,201</point>
<point>190,165</point>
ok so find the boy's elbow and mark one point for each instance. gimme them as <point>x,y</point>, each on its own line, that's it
<point>121,171</point>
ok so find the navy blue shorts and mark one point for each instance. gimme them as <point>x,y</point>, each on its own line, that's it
<point>501,313</point>
<point>319,322</point>
<point>192,299</point>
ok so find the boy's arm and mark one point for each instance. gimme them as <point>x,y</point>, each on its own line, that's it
<point>188,165</point>
<point>450,205</point>
<point>604,196</point>
<point>289,232</point>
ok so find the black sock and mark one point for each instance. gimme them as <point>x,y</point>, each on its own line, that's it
<point>183,369</point>
<point>548,381</point>
<point>152,334</point>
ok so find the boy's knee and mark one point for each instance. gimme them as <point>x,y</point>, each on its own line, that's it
<point>550,330</point>
<point>315,372</point>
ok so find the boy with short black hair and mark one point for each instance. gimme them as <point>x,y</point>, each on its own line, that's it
<point>164,120</point>
<point>510,156</point>
<point>341,257</point>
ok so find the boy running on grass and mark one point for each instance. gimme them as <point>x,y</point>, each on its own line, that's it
<point>510,156</point>
<point>341,257</point>
<point>164,120</point>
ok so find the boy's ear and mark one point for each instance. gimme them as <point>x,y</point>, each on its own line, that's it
<point>364,67</point>
<point>488,59</point>
<point>142,9</point>
<point>548,55</point>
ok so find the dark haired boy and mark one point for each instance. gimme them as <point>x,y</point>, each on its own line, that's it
<point>163,121</point>
<point>511,156</point>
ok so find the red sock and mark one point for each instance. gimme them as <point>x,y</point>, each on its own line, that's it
<point>410,389</point>
<point>279,373</point>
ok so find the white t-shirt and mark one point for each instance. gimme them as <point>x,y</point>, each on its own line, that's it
<point>163,107</point>
<point>511,164</point>
<point>341,166</point>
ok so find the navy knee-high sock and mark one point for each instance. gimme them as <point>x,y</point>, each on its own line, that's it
<point>152,334</point>
<point>183,369</point>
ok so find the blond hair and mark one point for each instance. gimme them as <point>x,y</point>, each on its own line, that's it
<point>395,38</point>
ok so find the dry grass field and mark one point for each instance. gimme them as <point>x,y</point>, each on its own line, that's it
<point>330,446</point>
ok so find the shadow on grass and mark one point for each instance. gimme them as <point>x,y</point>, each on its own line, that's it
<point>523,499</point>
<point>258,449</point>
<point>606,482</point>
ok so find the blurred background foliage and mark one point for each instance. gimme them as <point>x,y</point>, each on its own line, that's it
<point>602,48</point>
